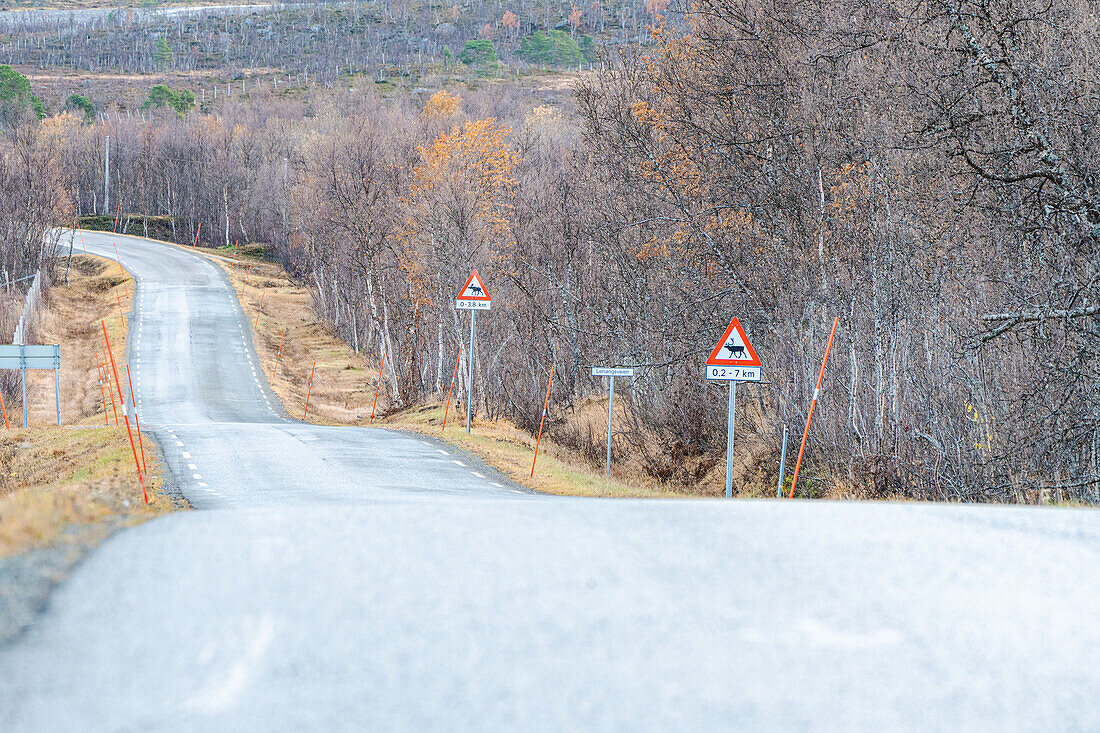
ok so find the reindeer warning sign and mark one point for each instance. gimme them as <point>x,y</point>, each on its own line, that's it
<point>473,295</point>
<point>733,358</point>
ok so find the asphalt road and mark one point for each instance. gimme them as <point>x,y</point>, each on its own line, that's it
<point>353,579</point>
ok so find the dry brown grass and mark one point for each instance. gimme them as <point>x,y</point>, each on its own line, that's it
<point>98,290</point>
<point>343,385</point>
<point>344,388</point>
<point>80,478</point>
<point>70,479</point>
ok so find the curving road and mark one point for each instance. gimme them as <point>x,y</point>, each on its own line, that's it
<point>354,579</point>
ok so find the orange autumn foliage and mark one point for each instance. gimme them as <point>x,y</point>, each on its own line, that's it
<point>461,196</point>
<point>442,104</point>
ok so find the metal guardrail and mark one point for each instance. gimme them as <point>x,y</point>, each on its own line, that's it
<point>34,295</point>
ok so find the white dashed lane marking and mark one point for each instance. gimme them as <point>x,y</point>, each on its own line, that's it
<point>499,486</point>
<point>477,474</point>
<point>196,475</point>
<point>185,454</point>
<point>437,450</point>
<point>192,466</point>
<point>459,463</point>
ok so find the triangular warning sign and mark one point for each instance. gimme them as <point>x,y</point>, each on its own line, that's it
<point>474,289</point>
<point>733,348</point>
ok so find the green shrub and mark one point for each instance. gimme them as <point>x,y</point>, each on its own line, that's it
<point>79,104</point>
<point>480,54</point>
<point>555,48</point>
<point>161,95</point>
<point>15,97</point>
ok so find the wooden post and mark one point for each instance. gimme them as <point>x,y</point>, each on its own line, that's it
<point>309,390</point>
<point>260,308</point>
<point>451,388</point>
<point>377,385</point>
<point>277,353</point>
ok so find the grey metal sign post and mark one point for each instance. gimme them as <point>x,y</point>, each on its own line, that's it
<point>732,360</point>
<point>33,356</point>
<point>473,297</point>
<point>782,464</point>
<point>470,379</point>
<point>611,373</point>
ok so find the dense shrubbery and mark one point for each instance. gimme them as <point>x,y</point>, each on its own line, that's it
<point>555,48</point>
<point>181,100</point>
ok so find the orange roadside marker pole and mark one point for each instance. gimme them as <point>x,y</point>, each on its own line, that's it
<point>5,409</point>
<point>114,407</point>
<point>249,272</point>
<point>118,213</point>
<point>451,389</point>
<point>813,403</point>
<point>133,448</point>
<point>260,308</point>
<point>102,395</point>
<point>137,421</point>
<point>543,420</point>
<point>196,242</point>
<point>377,384</point>
<point>117,259</point>
<point>235,243</point>
<point>277,354</point>
<point>121,318</point>
<point>82,245</point>
<point>310,389</point>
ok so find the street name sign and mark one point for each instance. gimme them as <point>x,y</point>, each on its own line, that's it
<point>612,371</point>
<point>473,295</point>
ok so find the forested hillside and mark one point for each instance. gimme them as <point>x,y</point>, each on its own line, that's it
<point>925,172</point>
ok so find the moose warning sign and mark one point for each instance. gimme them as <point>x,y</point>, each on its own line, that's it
<point>733,358</point>
<point>473,295</point>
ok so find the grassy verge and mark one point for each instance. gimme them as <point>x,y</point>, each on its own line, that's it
<point>78,480</point>
<point>71,481</point>
<point>511,451</point>
<point>344,388</point>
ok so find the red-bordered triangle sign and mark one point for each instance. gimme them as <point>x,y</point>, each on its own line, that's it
<point>474,289</point>
<point>733,348</point>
